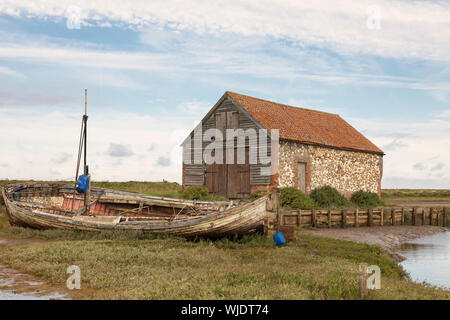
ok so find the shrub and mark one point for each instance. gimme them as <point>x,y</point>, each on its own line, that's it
<point>295,199</point>
<point>195,193</point>
<point>328,197</point>
<point>200,193</point>
<point>366,199</point>
<point>258,194</point>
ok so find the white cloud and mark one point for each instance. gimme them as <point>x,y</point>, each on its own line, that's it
<point>119,150</point>
<point>414,161</point>
<point>45,148</point>
<point>408,29</point>
<point>10,72</point>
<point>199,59</point>
<point>196,108</point>
<point>394,145</point>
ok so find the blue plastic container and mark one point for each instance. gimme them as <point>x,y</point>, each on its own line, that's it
<point>279,239</point>
<point>82,184</point>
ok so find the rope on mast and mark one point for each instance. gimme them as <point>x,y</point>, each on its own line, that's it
<point>82,145</point>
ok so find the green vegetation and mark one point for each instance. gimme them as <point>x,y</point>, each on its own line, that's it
<point>195,193</point>
<point>295,199</point>
<point>159,189</point>
<point>329,197</point>
<point>415,195</point>
<point>326,198</point>
<point>199,193</point>
<point>364,199</point>
<point>135,265</point>
<point>258,194</point>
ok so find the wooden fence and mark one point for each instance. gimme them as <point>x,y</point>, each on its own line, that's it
<point>279,219</point>
<point>363,217</point>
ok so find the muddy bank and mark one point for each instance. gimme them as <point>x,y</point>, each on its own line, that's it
<point>389,238</point>
<point>19,286</point>
<point>15,285</point>
<point>419,203</point>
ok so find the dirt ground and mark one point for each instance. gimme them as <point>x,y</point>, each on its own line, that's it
<point>419,203</point>
<point>20,286</point>
<point>387,237</point>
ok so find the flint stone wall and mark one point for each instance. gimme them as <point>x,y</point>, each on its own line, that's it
<point>347,171</point>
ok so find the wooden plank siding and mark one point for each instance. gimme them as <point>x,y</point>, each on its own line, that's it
<point>225,115</point>
<point>356,217</point>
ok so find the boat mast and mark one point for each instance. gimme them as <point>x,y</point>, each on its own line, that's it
<point>83,145</point>
<point>86,168</point>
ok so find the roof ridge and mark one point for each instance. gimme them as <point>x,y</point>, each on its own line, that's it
<point>281,104</point>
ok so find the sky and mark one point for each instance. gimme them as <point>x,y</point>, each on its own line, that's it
<point>154,68</point>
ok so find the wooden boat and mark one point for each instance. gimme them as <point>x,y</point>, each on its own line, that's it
<point>57,206</point>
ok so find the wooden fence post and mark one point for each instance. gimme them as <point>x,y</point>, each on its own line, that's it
<point>431,217</point>
<point>329,218</point>
<point>403,216</point>
<point>382,217</point>
<point>413,216</point>
<point>344,218</point>
<point>356,218</point>
<point>444,222</point>
<point>393,216</point>
<point>423,216</point>
<point>369,218</point>
<point>363,291</point>
<point>313,218</point>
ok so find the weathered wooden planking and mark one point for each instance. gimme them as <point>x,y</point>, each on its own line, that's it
<point>243,219</point>
<point>357,217</point>
<point>227,115</point>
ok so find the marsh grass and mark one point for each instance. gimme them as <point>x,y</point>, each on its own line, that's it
<point>138,265</point>
<point>415,195</point>
<point>117,265</point>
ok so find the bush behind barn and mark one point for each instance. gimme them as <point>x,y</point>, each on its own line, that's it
<point>364,199</point>
<point>329,197</point>
<point>295,199</point>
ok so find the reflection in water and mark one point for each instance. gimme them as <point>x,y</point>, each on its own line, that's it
<point>428,259</point>
<point>9,295</point>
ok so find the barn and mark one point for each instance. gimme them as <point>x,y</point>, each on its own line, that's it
<point>244,144</point>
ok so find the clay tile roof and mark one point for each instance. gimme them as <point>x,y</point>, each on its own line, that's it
<point>305,125</point>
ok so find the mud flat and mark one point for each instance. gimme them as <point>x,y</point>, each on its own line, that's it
<point>389,238</point>
<point>19,286</point>
<point>419,203</point>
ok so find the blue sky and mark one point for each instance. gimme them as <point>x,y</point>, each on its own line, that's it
<point>153,69</point>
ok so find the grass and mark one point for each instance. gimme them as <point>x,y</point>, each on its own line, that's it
<point>160,189</point>
<point>135,265</point>
<point>415,195</point>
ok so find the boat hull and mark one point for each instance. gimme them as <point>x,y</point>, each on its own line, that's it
<point>233,220</point>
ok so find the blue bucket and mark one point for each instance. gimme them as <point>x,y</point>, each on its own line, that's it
<point>279,238</point>
<point>82,184</point>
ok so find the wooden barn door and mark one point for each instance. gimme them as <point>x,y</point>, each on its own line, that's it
<point>216,173</point>
<point>239,177</point>
<point>215,179</point>
<point>228,180</point>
